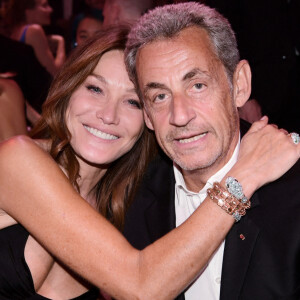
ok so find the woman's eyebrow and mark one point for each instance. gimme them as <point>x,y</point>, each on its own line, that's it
<point>99,77</point>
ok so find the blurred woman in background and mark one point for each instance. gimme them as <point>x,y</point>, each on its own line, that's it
<point>23,21</point>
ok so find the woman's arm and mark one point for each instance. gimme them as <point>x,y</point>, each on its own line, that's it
<point>37,194</point>
<point>36,37</point>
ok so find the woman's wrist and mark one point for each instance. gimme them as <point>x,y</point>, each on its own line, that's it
<point>230,198</point>
<point>248,181</point>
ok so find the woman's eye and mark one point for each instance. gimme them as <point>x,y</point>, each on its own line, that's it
<point>94,89</point>
<point>135,103</point>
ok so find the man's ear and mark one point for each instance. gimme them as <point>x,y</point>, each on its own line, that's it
<point>147,119</point>
<point>242,83</point>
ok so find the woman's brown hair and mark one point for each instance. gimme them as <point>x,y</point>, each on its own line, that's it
<point>117,187</point>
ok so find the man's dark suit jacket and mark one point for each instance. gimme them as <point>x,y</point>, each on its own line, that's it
<point>264,265</point>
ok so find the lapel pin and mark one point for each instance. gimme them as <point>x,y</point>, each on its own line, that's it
<point>242,237</point>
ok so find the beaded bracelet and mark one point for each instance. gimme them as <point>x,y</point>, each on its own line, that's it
<point>228,202</point>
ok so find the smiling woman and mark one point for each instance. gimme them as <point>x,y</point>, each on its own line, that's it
<point>104,116</point>
<point>102,131</point>
<point>92,125</point>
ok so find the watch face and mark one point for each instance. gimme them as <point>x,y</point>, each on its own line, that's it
<point>234,188</point>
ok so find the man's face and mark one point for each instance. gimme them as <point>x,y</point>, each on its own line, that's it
<point>188,100</point>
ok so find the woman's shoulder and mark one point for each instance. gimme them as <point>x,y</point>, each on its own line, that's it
<point>35,32</point>
<point>17,140</point>
<point>22,154</point>
<point>20,145</point>
<point>35,28</point>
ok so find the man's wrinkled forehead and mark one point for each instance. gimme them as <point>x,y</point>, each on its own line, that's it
<point>191,44</point>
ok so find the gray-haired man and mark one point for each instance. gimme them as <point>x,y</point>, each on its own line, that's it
<point>184,60</point>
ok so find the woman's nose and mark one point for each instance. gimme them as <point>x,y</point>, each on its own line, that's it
<point>109,113</point>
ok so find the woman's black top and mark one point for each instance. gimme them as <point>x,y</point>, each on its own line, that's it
<point>15,277</point>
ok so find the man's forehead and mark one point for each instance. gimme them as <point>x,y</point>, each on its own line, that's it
<point>188,32</point>
<point>191,37</point>
<point>189,53</point>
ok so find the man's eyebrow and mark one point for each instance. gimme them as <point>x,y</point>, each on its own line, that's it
<point>189,75</point>
<point>154,85</point>
<point>193,73</point>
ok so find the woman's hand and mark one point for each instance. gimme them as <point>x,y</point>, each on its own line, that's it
<point>266,153</point>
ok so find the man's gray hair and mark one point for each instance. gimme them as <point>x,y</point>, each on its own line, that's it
<point>167,21</point>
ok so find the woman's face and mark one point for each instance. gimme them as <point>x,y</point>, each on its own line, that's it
<point>87,28</point>
<point>104,115</point>
<point>40,14</point>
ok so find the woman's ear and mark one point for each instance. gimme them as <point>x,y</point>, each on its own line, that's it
<point>242,83</point>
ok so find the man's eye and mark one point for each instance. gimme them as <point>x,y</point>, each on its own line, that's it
<point>135,103</point>
<point>94,89</point>
<point>198,86</point>
<point>160,97</point>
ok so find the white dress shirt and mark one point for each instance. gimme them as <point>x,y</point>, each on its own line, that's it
<point>207,285</point>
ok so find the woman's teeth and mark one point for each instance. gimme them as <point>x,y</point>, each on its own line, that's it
<point>100,134</point>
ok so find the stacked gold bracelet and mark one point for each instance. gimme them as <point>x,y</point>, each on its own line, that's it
<point>227,201</point>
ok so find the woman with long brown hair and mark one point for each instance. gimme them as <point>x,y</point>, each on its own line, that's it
<point>89,152</point>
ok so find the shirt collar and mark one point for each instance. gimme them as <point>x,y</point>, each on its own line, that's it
<point>180,183</point>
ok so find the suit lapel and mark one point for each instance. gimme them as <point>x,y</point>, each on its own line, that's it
<point>239,245</point>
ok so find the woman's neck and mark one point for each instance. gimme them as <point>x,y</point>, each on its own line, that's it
<point>89,176</point>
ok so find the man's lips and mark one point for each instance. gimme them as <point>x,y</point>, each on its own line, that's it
<point>191,139</point>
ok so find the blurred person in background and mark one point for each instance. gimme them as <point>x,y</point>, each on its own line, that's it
<point>19,60</point>
<point>12,103</point>
<point>87,27</point>
<point>88,20</point>
<point>23,21</point>
<point>120,11</point>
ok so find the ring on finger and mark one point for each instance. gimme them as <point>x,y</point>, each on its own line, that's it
<point>295,137</point>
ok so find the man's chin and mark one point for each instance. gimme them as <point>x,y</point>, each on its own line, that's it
<point>194,165</point>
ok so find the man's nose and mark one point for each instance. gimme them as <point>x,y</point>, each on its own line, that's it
<point>182,112</point>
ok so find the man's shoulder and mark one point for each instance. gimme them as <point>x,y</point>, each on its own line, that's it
<point>281,198</point>
<point>289,181</point>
